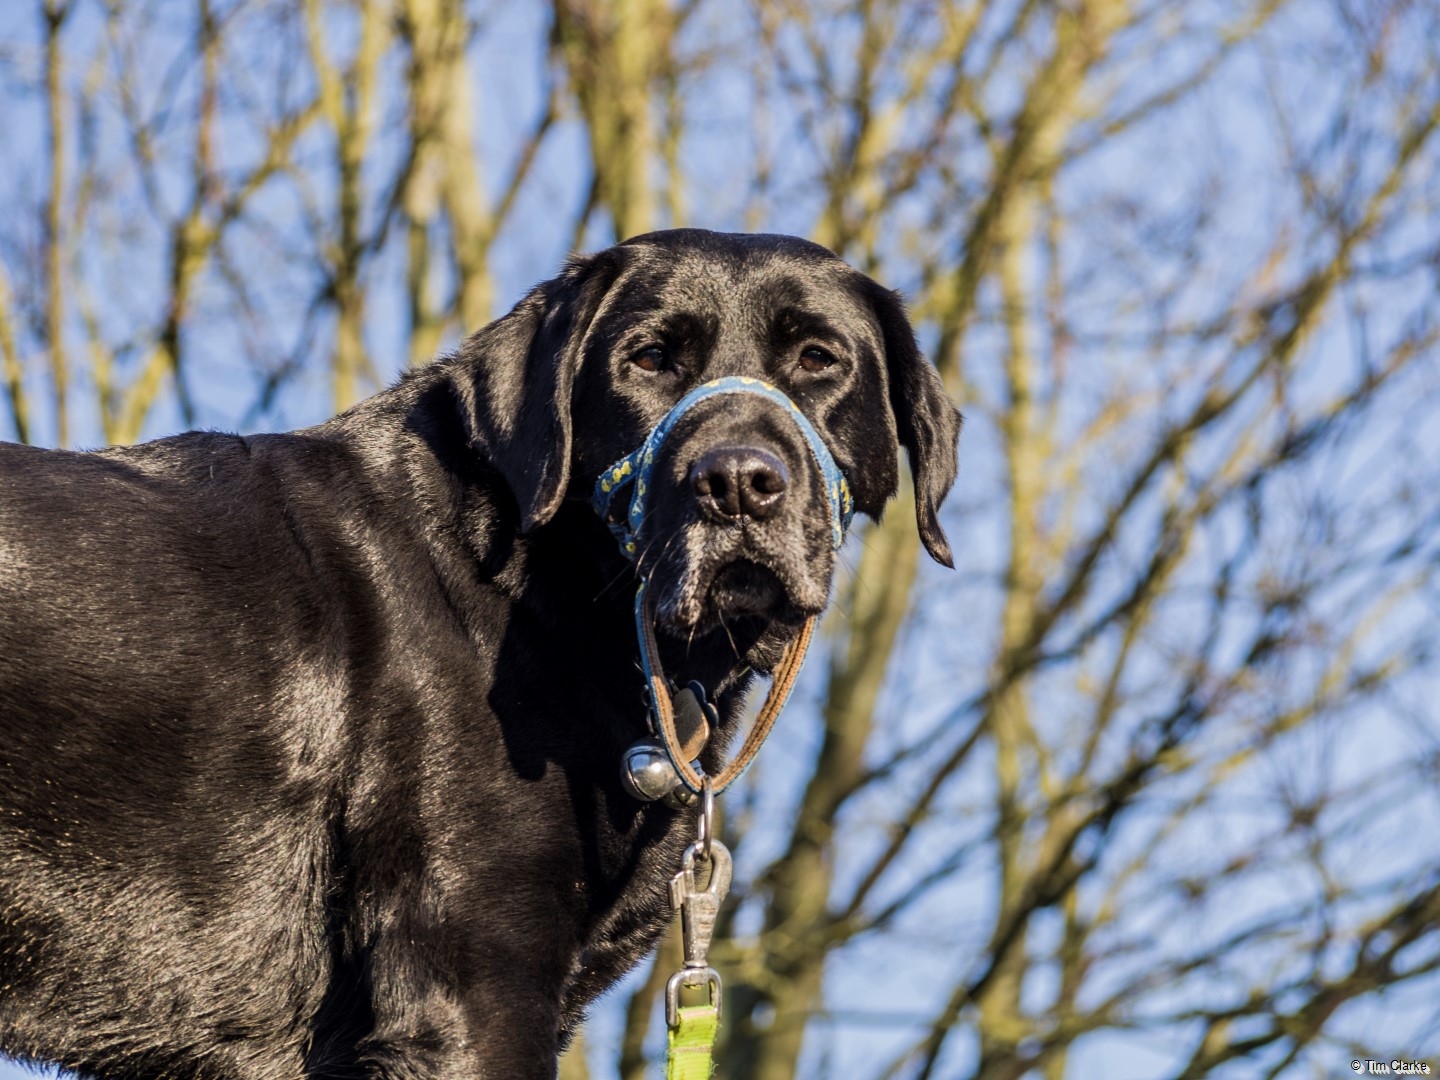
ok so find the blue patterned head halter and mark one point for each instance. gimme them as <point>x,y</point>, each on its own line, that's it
<point>633,471</point>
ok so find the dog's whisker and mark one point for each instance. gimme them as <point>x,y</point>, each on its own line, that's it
<point>734,648</point>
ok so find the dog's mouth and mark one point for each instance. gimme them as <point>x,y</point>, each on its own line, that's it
<point>710,589</point>
<point>745,588</point>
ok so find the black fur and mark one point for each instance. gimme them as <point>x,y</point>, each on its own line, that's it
<point>309,742</point>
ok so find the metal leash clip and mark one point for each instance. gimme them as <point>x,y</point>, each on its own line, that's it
<point>699,908</point>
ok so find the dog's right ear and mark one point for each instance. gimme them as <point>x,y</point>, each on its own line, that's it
<point>515,378</point>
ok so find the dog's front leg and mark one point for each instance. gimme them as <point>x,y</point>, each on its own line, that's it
<point>511,1040</point>
<point>452,1011</point>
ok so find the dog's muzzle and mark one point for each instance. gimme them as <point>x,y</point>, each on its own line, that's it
<point>728,484</point>
<point>632,473</point>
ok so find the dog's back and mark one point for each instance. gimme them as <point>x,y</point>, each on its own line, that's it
<point>165,865</point>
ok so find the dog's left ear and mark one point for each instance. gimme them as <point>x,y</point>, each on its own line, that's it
<point>515,380</point>
<point>927,423</point>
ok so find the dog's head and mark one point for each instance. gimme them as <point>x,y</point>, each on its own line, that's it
<point>738,522</point>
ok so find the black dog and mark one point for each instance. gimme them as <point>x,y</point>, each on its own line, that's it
<point>309,743</point>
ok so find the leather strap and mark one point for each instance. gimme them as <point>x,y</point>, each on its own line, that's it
<point>783,681</point>
<point>692,726</point>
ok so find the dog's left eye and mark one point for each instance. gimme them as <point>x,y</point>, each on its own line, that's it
<point>651,358</point>
<point>815,358</point>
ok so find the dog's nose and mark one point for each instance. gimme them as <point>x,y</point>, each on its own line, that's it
<point>737,482</point>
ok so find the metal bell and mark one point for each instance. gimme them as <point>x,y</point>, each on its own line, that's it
<point>646,772</point>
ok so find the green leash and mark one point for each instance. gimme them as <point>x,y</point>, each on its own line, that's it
<point>692,1043</point>
<point>692,1028</point>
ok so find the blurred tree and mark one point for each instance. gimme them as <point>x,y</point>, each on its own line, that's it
<point>1155,773</point>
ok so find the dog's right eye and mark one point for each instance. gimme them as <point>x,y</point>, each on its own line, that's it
<point>651,358</point>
